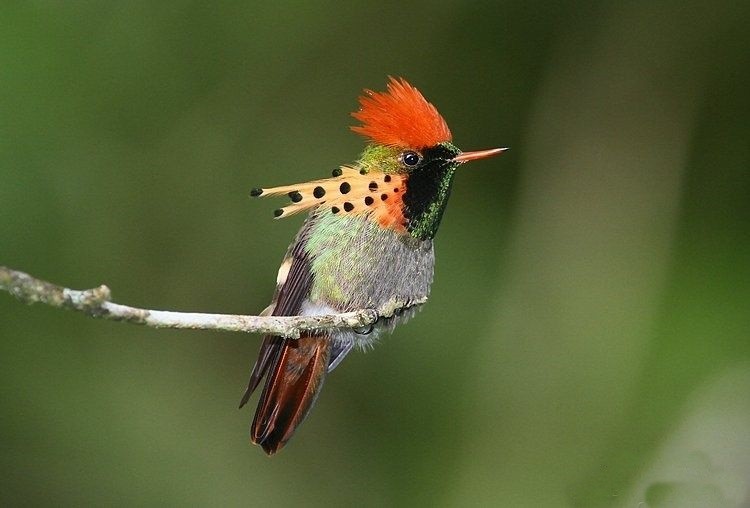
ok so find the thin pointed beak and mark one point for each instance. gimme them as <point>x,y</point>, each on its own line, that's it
<point>480,154</point>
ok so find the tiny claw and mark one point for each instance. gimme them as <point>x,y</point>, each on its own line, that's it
<point>365,330</point>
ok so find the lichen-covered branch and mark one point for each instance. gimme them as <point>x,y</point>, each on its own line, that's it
<point>96,303</point>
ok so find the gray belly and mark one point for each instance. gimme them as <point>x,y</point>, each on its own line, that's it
<point>357,264</point>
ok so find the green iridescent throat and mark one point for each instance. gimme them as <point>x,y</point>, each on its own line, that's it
<point>428,189</point>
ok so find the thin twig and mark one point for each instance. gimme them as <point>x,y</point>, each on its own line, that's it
<point>96,303</point>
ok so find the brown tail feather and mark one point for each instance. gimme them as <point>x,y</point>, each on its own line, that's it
<point>295,378</point>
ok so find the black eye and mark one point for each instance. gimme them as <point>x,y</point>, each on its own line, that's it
<point>410,158</point>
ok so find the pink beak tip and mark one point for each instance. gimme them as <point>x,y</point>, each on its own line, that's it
<point>480,154</point>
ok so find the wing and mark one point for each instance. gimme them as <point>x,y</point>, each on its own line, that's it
<point>294,369</point>
<point>291,291</point>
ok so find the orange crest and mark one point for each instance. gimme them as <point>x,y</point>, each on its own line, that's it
<point>400,117</point>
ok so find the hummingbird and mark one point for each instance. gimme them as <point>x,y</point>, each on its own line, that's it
<point>367,243</point>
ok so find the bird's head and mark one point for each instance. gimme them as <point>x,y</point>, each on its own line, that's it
<point>404,176</point>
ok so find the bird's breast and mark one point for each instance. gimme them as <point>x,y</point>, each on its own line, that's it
<point>358,264</point>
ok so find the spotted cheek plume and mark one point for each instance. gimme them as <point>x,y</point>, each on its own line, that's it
<point>348,192</point>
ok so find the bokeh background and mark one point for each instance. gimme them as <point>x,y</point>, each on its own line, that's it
<point>587,342</point>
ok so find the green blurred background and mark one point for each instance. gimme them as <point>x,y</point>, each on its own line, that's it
<point>587,342</point>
